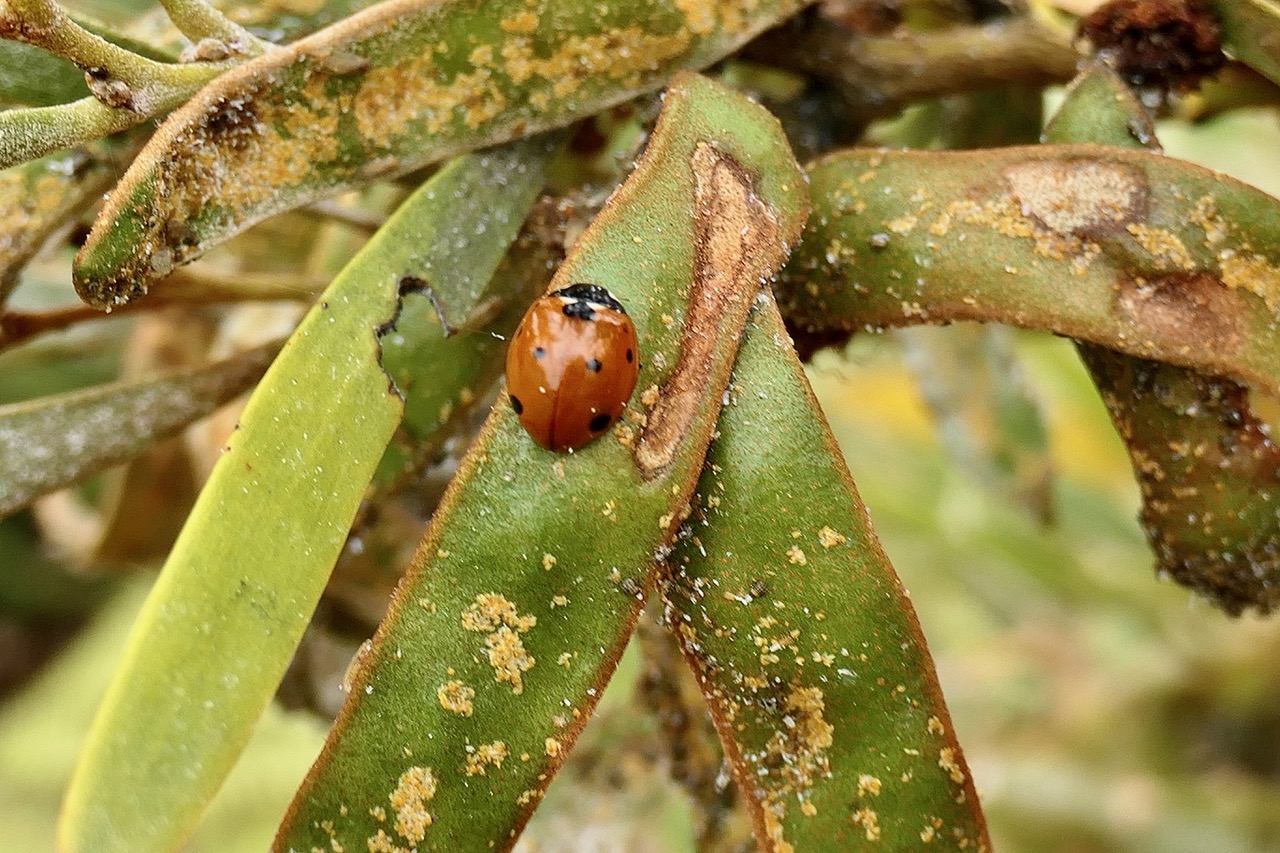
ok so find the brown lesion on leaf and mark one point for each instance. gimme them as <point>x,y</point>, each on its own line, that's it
<point>1082,198</point>
<point>1191,307</point>
<point>731,225</point>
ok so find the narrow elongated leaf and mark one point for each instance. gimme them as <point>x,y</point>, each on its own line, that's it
<point>1132,250</point>
<point>806,644</point>
<point>1204,462</point>
<point>529,581</point>
<point>402,84</point>
<point>245,574</point>
<point>54,442</point>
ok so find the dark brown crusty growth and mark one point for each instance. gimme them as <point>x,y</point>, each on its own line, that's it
<point>1166,44</point>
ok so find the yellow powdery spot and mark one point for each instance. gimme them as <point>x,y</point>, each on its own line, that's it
<point>949,762</point>
<point>548,562</point>
<point>1208,219</point>
<point>380,842</point>
<point>485,756</point>
<point>796,556</point>
<point>935,726</point>
<point>509,658</point>
<point>521,22</point>
<point>552,747</point>
<point>456,697</point>
<point>1253,273</point>
<point>700,15</point>
<point>492,613</point>
<point>416,787</point>
<point>796,757</point>
<point>902,225</point>
<point>829,538</point>
<point>617,54</point>
<point>1164,246</point>
<point>868,785</point>
<point>869,820</point>
<point>491,610</point>
<point>393,97</point>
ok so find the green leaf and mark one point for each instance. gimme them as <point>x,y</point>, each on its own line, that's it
<point>403,84</point>
<point>245,574</point>
<point>527,586</point>
<point>54,442</point>
<point>1251,33</point>
<point>1128,249</point>
<point>802,636</point>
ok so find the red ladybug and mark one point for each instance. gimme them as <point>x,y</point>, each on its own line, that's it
<point>572,365</point>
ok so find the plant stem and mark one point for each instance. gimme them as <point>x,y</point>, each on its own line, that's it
<point>876,75</point>
<point>117,77</point>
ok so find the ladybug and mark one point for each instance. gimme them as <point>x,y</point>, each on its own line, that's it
<point>572,365</point>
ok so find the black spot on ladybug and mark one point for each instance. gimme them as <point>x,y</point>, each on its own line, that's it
<point>630,356</point>
<point>594,365</point>
<point>600,422</point>
<point>517,405</point>
<point>539,352</point>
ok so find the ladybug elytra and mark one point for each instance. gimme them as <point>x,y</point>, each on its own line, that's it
<point>572,365</point>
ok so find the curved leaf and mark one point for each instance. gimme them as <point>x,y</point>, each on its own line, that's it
<point>54,442</point>
<point>1147,255</point>
<point>1202,458</point>
<point>248,568</point>
<point>805,643</point>
<point>400,85</point>
<point>526,588</point>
